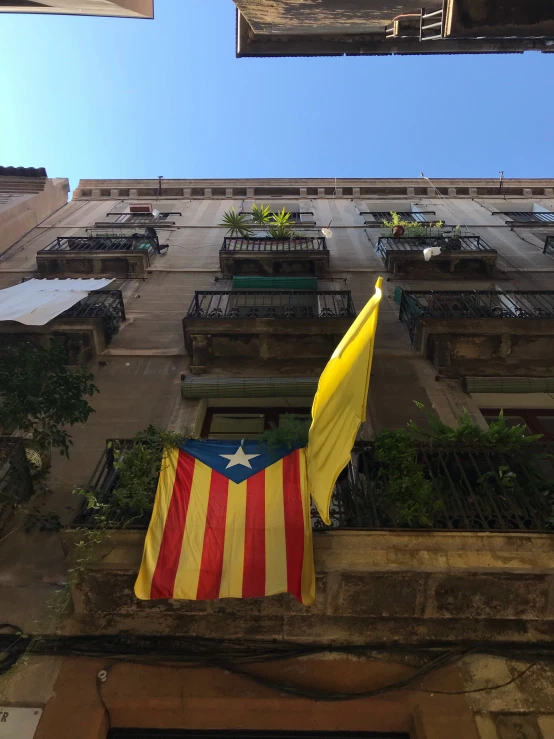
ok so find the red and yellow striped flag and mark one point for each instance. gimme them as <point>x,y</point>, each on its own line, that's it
<point>230,520</point>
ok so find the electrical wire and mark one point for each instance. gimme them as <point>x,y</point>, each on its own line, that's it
<point>234,656</point>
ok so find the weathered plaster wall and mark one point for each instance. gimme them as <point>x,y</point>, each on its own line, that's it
<point>322,16</point>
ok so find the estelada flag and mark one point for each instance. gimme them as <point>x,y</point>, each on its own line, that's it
<point>231,520</point>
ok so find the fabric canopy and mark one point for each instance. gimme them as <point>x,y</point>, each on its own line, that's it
<point>36,302</point>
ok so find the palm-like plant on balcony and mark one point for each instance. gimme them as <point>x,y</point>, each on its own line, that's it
<point>281,225</point>
<point>237,224</point>
<point>261,214</point>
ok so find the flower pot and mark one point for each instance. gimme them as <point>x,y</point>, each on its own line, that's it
<point>397,232</point>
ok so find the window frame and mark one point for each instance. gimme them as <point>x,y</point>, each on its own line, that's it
<point>271,414</point>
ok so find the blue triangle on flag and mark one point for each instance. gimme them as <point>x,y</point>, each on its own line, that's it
<point>236,460</point>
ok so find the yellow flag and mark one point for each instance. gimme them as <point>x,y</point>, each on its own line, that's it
<point>340,405</point>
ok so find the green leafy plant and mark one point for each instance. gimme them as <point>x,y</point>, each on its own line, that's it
<point>498,436</point>
<point>41,396</point>
<point>408,486</point>
<point>281,225</point>
<point>261,214</point>
<point>405,491</point>
<point>412,228</point>
<point>137,464</point>
<point>237,224</point>
<point>292,431</point>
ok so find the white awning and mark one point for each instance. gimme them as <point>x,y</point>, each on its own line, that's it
<point>36,302</point>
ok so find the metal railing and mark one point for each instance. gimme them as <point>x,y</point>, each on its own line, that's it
<point>16,483</point>
<point>530,217</point>
<point>469,491</point>
<point>417,243</point>
<point>257,244</point>
<point>431,25</point>
<point>476,304</point>
<point>134,242</point>
<point>271,304</point>
<point>98,304</point>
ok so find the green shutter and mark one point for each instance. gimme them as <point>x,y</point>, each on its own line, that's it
<point>275,283</point>
<point>248,387</point>
<point>509,384</point>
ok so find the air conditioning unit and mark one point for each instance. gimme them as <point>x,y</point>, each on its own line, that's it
<point>141,208</point>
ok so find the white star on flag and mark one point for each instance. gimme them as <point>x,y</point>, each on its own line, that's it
<point>239,457</point>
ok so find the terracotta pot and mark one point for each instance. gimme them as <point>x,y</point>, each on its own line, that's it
<point>398,231</point>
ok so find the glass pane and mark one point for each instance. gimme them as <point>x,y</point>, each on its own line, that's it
<point>236,426</point>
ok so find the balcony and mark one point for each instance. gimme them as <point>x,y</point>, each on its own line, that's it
<point>467,486</point>
<point>482,333</point>
<point>459,254</point>
<point>267,256</point>
<point>85,329</point>
<point>115,256</point>
<point>268,324</point>
<point>480,563</point>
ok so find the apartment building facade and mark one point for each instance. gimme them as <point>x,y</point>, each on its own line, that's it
<point>223,334</point>
<point>358,27</point>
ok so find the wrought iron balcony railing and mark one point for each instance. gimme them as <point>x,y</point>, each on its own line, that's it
<point>271,304</point>
<point>135,242</point>
<point>476,304</point>
<point>105,304</point>
<point>253,244</point>
<point>469,491</point>
<point>447,243</point>
<point>98,303</point>
<point>530,217</point>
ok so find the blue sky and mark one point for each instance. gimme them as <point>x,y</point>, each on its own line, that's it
<point>116,98</point>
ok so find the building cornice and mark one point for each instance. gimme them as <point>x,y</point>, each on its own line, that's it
<point>313,188</point>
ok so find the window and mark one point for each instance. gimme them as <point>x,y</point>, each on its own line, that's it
<point>245,423</point>
<point>523,217</point>
<point>537,421</point>
<point>296,215</point>
<point>141,217</point>
<point>526,212</point>
<point>407,212</point>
